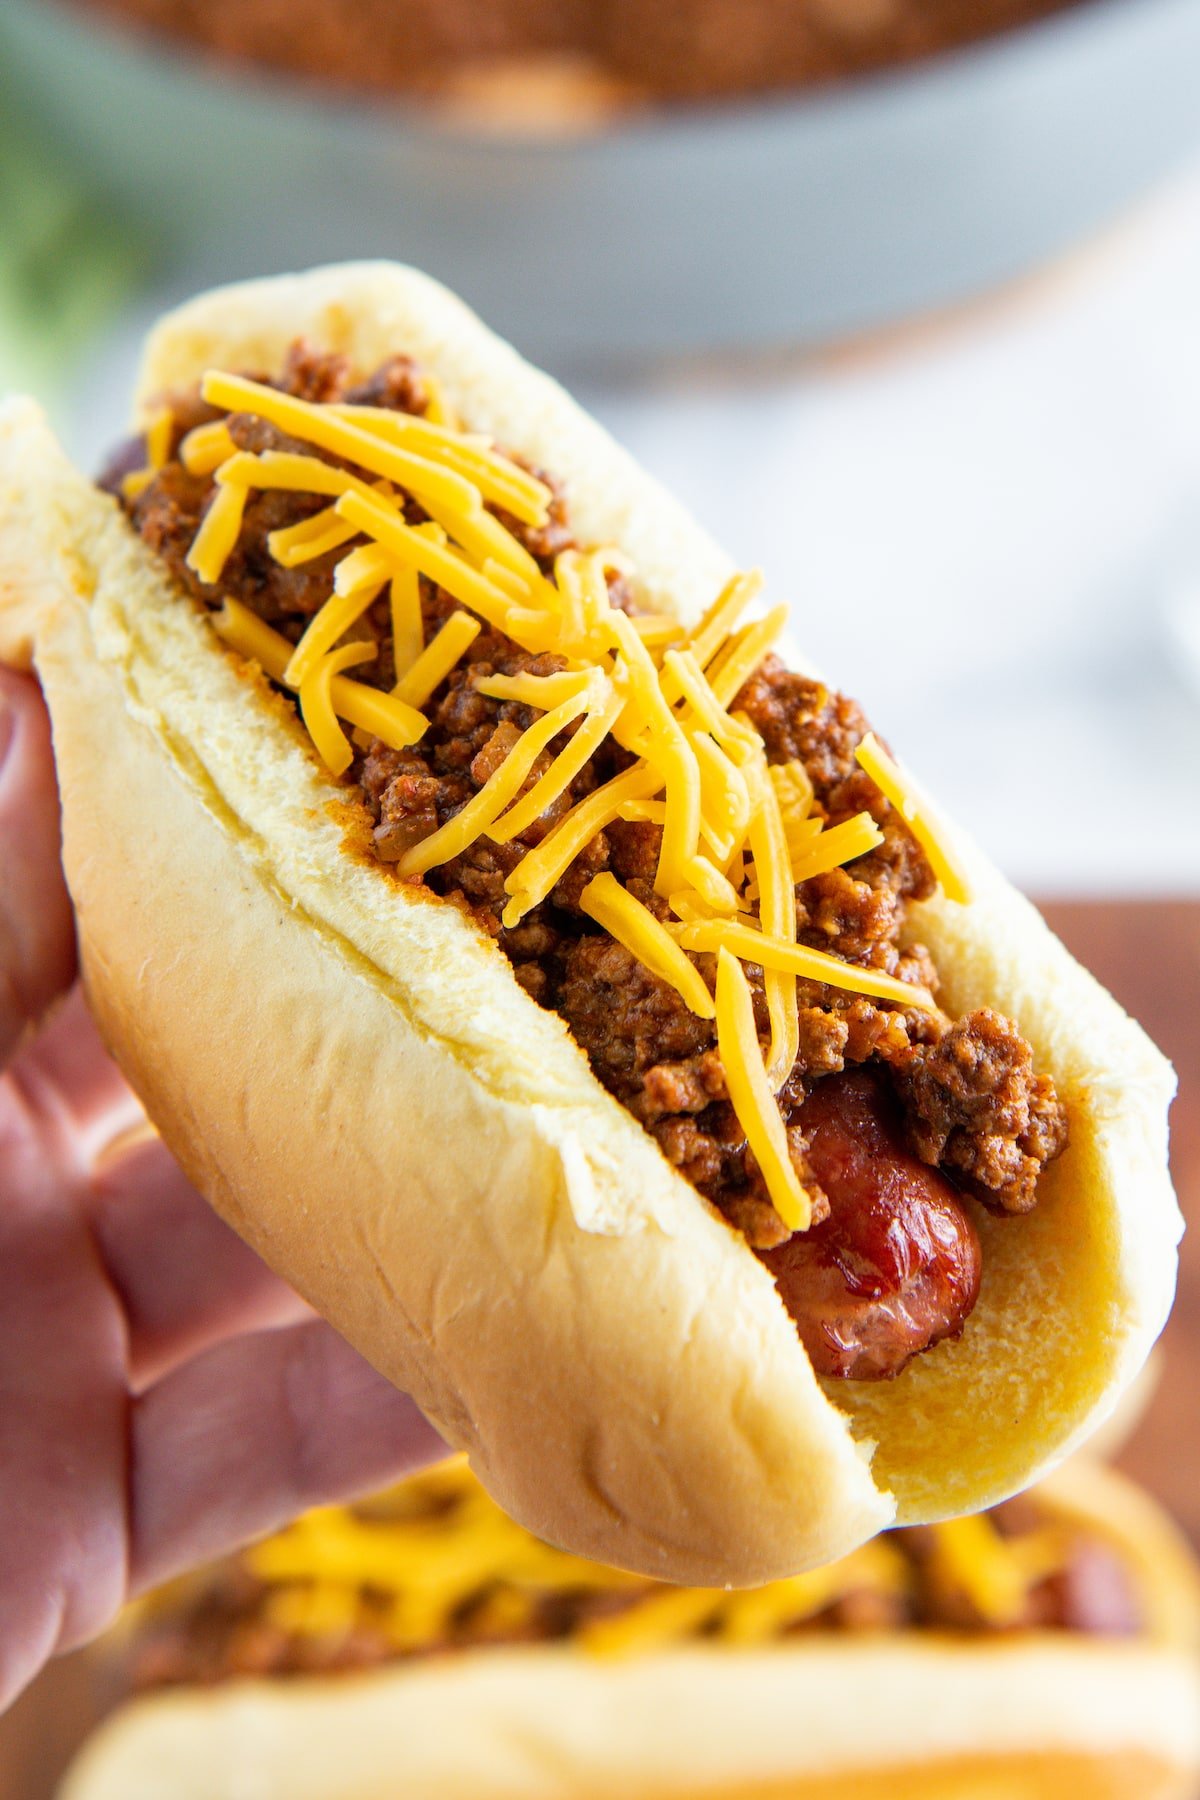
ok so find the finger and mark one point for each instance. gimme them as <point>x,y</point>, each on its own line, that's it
<point>80,1097</point>
<point>185,1280</point>
<point>63,1413</point>
<point>242,1439</point>
<point>37,932</point>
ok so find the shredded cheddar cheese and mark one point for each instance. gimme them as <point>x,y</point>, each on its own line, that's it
<point>332,622</point>
<point>316,703</point>
<point>497,477</point>
<point>206,447</point>
<point>437,1551</point>
<point>481,536</point>
<point>632,924</point>
<point>655,632</point>
<point>158,436</point>
<point>709,883</point>
<point>751,1094</point>
<point>794,787</point>
<point>408,627</point>
<point>437,659</point>
<point>252,637</point>
<point>737,834</point>
<point>487,805</point>
<point>510,582</point>
<point>815,853</point>
<point>995,1574</point>
<point>314,537</point>
<point>721,617</point>
<point>684,676</point>
<point>537,873</point>
<point>668,751</point>
<point>739,661</point>
<point>383,715</point>
<point>777,909</point>
<point>320,425</point>
<point>293,545</point>
<point>758,1615</point>
<point>439,411</point>
<point>752,945</point>
<point>441,564</point>
<point>159,428</point>
<point>915,810</point>
<point>561,773</point>
<point>218,531</point>
<point>663,1618</point>
<point>535,690</point>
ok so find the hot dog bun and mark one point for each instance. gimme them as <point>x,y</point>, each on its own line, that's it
<point>1034,1715</point>
<point>501,1238</point>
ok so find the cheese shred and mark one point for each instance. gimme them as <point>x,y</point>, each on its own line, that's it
<point>157,437</point>
<point>382,715</point>
<point>437,659</point>
<point>824,850</point>
<point>561,773</point>
<point>317,709</point>
<point>206,447</point>
<point>218,531</point>
<point>335,618</point>
<point>487,805</point>
<point>634,925</point>
<point>753,945</point>
<point>408,628</point>
<point>751,1095</point>
<point>917,814</point>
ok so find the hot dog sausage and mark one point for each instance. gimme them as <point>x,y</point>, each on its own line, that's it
<point>896,1265</point>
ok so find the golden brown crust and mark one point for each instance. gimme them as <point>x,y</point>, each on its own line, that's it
<point>158,1748</point>
<point>559,1300</point>
<point>1045,1775</point>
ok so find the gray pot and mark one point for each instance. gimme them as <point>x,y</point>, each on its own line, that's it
<point>784,222</point>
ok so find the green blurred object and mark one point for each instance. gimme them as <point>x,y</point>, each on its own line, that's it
<point>66,260</point>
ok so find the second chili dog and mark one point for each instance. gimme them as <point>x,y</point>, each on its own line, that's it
<point>1045,1650</point>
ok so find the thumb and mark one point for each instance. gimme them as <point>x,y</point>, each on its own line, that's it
<point>37,930</point>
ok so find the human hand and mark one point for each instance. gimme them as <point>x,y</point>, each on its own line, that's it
<point>163,1396</point>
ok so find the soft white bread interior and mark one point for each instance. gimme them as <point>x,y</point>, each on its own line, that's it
<point>1035,1716</point>
<point>351,1074</point>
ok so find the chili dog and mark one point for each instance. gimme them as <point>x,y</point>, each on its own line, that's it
<point>584,1011</point>
<point>1049,1649</point>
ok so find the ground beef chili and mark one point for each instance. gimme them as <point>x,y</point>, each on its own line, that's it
<point>227,1626</point>
<point>950,1107</point>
